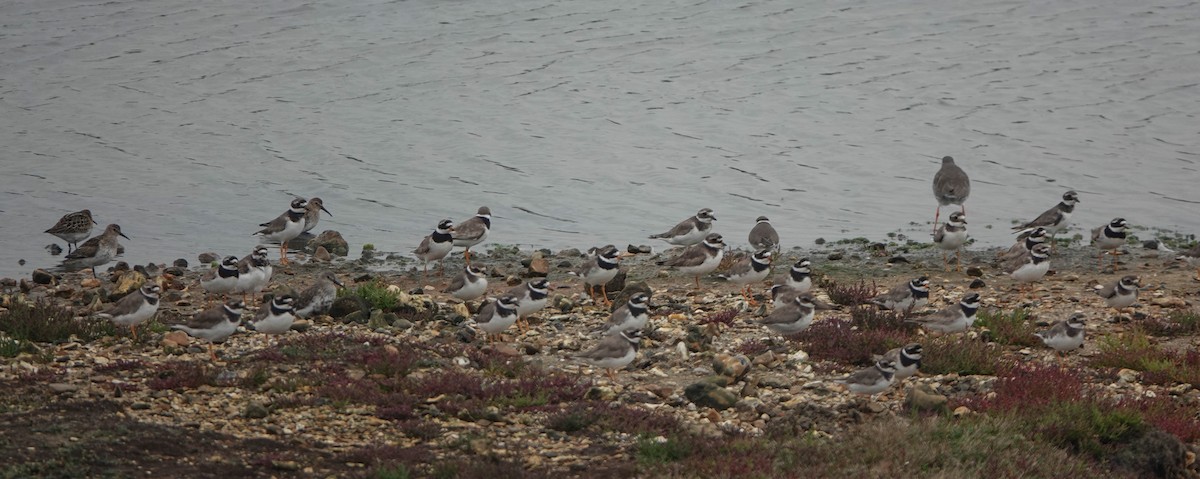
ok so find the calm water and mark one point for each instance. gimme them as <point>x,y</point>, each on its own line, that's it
<point>581,122</point>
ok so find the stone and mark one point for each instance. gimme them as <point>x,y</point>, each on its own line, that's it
<point>1150,244</point>
<point>707,394</point>
<point>601,393</point>
<point>1154,454</point>
<point>90,283</point>
<point>321,255</point>
<point>563,303</point>
<point>255,410</point>
<point>639,249</point>
<point>732,366</point>
<point>301,325</point>
<point>974,272</point>
<point>924,398</point>
<point>977,284</point>
<point>127,282</point>
<point>961,411</point>
<point>764,359</point>
<point>176,339</point>
<point>344,306</point>
<point>54,249</point>
<point>180,263</point>
<point>331,240</point>
<point>539,266</point>
<point>836,255</point>
<point>208,258</point>
<point>1127,375</point>
<point>359,316</point>
<point>63,388</point>
<point>616,284</point>
<point>897,260</point>
<point>41,276</point>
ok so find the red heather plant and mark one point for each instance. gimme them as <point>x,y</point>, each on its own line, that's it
<point>1170,414</point>
<point>598,415</point>
<point>849,294</point>
<point>724,317</point>
<point>753,348</point>
<point>871,317</point>
<point>1030,386</point>
<point>835,339</point>
<point>959,355</point>
<point>1175,324</point>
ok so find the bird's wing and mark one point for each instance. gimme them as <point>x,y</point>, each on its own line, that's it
<point>469,229</point>
<point>277,224</point>
<point>692,256</point>
<point>86,250</point>
<point>423,248</point>
<point>1108,291</point>
<point>679,230</point>
<point>1016,261</point>
<point>610,347</point>
<point>457,283</point>
<point>1049,217</point>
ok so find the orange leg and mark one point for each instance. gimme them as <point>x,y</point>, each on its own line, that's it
<point>133,330</point>
<point>958,260</point>
<point>697,282</point>
<point>937,215</point>
<point>212,354</point>
<point>283,253</point>
<point>604,294</point>
<point>467,256</point>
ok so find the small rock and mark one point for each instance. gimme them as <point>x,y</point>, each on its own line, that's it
<point>54,249</point>
<point>344,306</point>
<point>601,393</point>
<point>285,465</point>
<point>924,398</point>
<point>176,339</point>
<point>875,407</point>
<point>208,258</point>
<point>139,406</point>
<point>713,416</point>
<point>639,249</point>
<point>819,241</point>
<point>974,272</point>
<point>961,411</point>
<point>322,255</point>
<point>1127,375</point>
<point>764,359</point>
<point>707,394</point>
<point>127,282</point>
<point>41,276</point>
<point>733,366</point>
<point>180,263</point>
<point>977,284</point>
<point>62,388</point>
<point>1150,244</point>
<point>255,410</point>
<point>331,240</point>
<point>539,267</point>
<point>301,325</point>
<point>836,255</point>
<point>90,283</point>
<point>1169,302</point>
<point>506,350</point>
<point>897,260</point>
<point>563,303</point>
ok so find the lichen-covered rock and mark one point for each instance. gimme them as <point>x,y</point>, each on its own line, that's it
<point>731,365</point>
<point>331,240</point>
<point>707,394</point>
